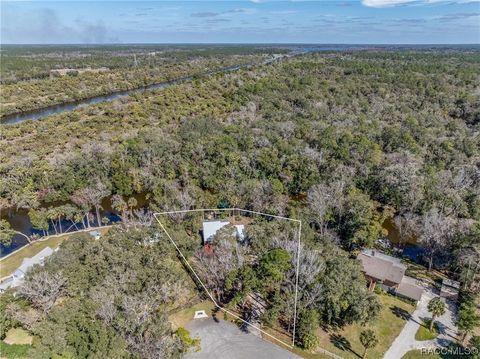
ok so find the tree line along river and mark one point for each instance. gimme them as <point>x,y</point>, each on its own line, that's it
<point>19,219</point>
<point>42,113</point>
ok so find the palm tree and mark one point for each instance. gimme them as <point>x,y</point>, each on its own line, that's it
<point>39,219</point>
<point>437,307</point>
<point>119,205</point>
<point>368,340</point>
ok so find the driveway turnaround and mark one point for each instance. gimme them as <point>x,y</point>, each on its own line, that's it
<point>406,339</point>
<point>224,340</point>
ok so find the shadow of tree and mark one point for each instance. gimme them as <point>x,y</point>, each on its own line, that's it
<point>400,313</point>
<point>340,342</point>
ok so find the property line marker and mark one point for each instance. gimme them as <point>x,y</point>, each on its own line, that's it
<point>233,210</point>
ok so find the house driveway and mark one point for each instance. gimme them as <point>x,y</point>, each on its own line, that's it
<point>223,340</point>
<point>406,339</point>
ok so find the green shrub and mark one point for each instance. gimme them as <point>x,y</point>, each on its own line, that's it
<point>307,326</point>
<point>310,341</point>
<point>424,333</point>
<point>379,290</point>
<point>187,341</point>
<point>14,350</point>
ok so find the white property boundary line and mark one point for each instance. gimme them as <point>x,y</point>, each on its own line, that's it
<point>205,288</point>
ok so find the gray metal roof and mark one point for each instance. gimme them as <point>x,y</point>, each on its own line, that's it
<point>38,258</point>
<point>210,228</point>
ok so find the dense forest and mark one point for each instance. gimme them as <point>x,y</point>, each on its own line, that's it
<point>111,305</point>
<point>34,77</point>
<point>341,140</point>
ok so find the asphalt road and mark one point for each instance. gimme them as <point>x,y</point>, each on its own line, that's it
<point>224,340</point>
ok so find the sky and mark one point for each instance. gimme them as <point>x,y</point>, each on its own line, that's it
<point>257,21</point>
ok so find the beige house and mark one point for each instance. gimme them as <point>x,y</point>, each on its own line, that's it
<point>388,273</point>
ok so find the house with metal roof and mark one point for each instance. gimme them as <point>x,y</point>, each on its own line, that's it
<point>210,229</point>
<point>17,276</point>
<point>388,273</point>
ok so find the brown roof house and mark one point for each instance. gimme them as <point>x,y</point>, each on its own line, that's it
<point>388,273</point>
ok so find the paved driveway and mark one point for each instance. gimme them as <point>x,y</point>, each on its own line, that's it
<point>223,340</point>
<point>406,339</point>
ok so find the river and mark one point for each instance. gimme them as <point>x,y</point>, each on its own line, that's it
<point>44,112</point>
<point>71,106</point>
<point>20,221</point>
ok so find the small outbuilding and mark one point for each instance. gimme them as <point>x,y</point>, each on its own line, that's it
<point>450,289</point>
<point>95,235</point>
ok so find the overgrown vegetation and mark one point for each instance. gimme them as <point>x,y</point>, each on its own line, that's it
<point>37,77</point>
<point>103,298</point>
<point>340,140</point>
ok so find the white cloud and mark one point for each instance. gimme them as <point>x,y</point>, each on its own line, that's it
<point>385,3</point>
<point>391,3</point>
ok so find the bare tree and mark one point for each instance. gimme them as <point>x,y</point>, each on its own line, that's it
<point>142,217</point>
<point>43,288</point>
<point>453,186</point>
<point>89,197</point>
<point>468,262</point>
<point>310,265</point>
<point>80,198</point>
<point>402,175</point>
<point>407,225</point>
<point>119,205</point>
<point>318,198</point>
<point>28,318</point>
<point>214,266</point>
<point>436,232</point>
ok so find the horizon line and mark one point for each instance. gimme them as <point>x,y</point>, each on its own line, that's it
<point>243,43</point>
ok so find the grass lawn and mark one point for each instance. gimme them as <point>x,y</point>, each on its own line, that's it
<point>14,351</point>
<point>8,265</point>
<point>390,322</point>
<point>18,336</point>
<point>424,333</point>
<point>418,271</point>
<point>182,317</point>
<point>477,330</point>
<point>417,354</point>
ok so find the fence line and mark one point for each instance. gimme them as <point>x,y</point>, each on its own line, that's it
<point>326,352</point>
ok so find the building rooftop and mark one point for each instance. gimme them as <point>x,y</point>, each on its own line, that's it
<point>17,277</point>
<point>210,228</point>
<point>38,258</point>
<point>381,266</point>
<point>409,288</point>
